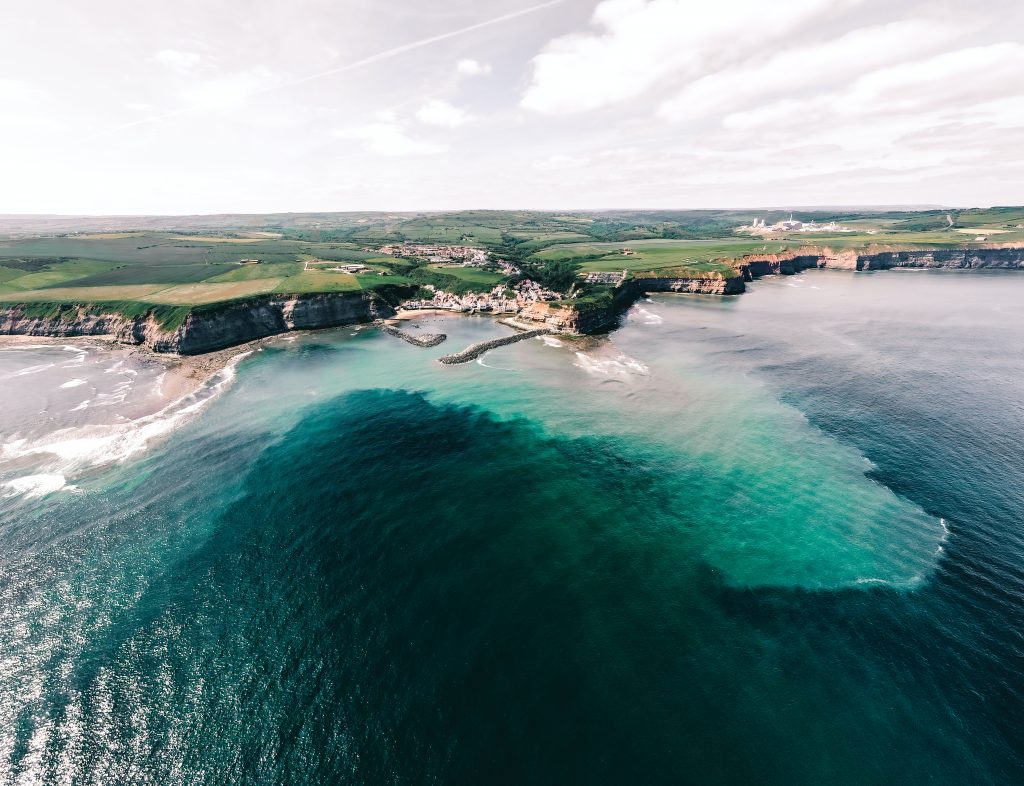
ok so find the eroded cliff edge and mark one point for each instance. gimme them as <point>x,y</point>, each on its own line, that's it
<point>604,315</point>
<point>204,328</point>
<point>881,258</point>
<point>601,315</point>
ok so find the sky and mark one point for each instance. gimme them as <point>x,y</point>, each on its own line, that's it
<point>213,106</point>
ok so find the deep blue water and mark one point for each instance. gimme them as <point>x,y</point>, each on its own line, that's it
<point>777,539</point>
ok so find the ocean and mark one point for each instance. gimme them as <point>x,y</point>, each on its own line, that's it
<point>771,539</point>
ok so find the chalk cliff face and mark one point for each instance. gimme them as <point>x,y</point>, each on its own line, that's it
<point>206,329</point>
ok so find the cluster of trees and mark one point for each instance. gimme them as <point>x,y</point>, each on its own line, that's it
<point>556,274</point>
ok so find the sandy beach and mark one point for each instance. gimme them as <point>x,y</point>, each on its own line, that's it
<point>418,313</point>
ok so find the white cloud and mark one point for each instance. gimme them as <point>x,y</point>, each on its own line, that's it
<point>390,139</point>
<point>230,89</point>
<point>695,104</point>
<point>950,86</point>
<point>16,90</point>
<point>640,43</point>
<point>177,60</point>
<point>443,114</point>
<point>470,67</point>
<point>562,161</point>
<point>818,67</point>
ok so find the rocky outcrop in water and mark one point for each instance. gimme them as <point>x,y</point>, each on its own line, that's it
<point>206,328</point>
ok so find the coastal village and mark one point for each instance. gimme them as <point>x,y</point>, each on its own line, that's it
<point>467,255</point>
<point>500,300</point>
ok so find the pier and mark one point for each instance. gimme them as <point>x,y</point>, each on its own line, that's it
<point>473,351</point>
<point>424,340</point>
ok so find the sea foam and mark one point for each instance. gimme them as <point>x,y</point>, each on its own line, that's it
<point>76,449</point>
<point>621,365</point>
<point>31,486</point>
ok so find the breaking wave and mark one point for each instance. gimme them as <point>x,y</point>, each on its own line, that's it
<point>70,451</point>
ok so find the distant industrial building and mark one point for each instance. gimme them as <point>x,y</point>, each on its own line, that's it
<point>354,267</point>
<point>760,227</point>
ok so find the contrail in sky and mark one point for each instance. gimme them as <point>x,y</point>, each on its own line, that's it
<point>385,55</point>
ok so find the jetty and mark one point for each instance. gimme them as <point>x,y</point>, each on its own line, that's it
<point>423,340</point>
<point>473,351</point>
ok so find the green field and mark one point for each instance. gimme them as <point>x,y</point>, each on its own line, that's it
<point>171,268</point>
<point>172,264</point>
<point>699,256</point>
<point>473,275</point>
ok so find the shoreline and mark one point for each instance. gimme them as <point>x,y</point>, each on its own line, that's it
<point>242,326</point>
<point>185,373</point>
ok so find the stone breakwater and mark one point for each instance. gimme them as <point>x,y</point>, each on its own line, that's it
<point>205,328</point>
<point>423,340</point>
<point>473,351</point>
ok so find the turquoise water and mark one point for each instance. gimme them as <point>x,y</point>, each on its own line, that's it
<point>771,539</point>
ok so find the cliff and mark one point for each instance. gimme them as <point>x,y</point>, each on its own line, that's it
<point>594,316</point>
<point>584,316</point>
<point>879,258</point>
<point>204,328</point>
<point>707,285</point>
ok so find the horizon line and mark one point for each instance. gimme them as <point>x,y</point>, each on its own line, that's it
<point>645,209</point>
